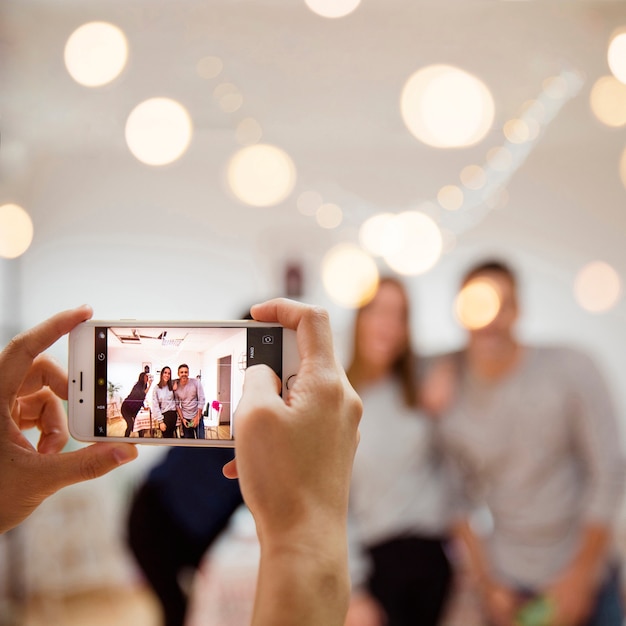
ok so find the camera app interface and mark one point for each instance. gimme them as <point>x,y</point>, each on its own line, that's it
<point>176,382</point>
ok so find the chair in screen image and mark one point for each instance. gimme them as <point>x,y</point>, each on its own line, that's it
<point>211,419</point>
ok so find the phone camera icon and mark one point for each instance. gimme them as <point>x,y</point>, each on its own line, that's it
<point>101,356</point>
<point>267,339</point>
<point>101,335</point>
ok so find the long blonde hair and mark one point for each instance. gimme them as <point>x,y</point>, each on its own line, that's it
<point>404,368</point>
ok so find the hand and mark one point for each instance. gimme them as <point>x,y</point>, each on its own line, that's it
<point>364,610</point>
<point>162,426</point>
<point>571,597</point>
<point>31,389</point>
<point>294,462</point>
<point>294,457</point>
<point>501,603</point>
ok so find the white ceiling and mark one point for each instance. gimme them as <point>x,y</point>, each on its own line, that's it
<point>327,91</point>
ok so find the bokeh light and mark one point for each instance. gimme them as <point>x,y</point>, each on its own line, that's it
<point>228,97</point>
<point>473,177</point>
<point>248,131</point>
<point>597,287</point>
<point>209,67</point>
<point>608,101</point>
<point>430,107</point>
<point>158,131</point>
<point>450,197</point>
<point>371,233</point>
<point>96,53</point>
<point>412,243</point>
<point>261,175</point>
<point>616,56</point>
<point>16,231</point>
<point>555,87</point>
<point>333,8</point>
<point>500,159</point>
<point>477,304</point>
<point>329,215</point>
<point>350,275</point>
<point>308,202</point>
<point>534,110</point>
<point>516,131</point>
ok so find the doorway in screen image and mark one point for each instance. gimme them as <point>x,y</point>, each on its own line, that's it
<point>224,377</point>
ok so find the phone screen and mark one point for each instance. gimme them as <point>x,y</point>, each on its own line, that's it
<point>176,381</point>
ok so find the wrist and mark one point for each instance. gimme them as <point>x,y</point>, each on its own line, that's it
<point>308,572</point>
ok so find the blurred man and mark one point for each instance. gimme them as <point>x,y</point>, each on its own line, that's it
<point>534,435</point>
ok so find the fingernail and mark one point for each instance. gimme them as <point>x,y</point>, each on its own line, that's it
<point>124,455</point>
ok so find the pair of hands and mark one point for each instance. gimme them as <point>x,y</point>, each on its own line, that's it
<point>294,457</point>
<point>569,599</point>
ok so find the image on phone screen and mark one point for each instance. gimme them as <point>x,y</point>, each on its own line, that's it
<point>176,382</point>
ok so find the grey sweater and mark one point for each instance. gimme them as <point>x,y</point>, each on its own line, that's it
<point>541,449</point>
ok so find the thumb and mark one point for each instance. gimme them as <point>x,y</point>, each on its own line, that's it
<point>261,384</point>
<point>85,464</point>
<point>230,469</point>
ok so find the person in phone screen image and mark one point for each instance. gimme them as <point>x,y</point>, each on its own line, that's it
<point>533,435</point>
<point>164,404</point>
<point>189,396</point>
<point>134,401</point>
<point>399,515</point>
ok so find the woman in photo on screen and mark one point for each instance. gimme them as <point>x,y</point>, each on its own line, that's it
<point>163,404</point>
<point>134,401</point>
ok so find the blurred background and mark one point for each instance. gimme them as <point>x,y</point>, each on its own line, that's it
<point>183,159</point>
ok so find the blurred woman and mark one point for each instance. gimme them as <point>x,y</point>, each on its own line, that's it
<point>163,403</point>
<point>399,512</point>
<point>134,401</point>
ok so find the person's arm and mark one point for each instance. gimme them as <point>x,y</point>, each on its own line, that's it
<point>294,461</point>
<point>201,401</point>
<point>595,430</point>
<point>31,389</point>
<point>500,602</point>
<point>572,594</point>
<point>155,407</point>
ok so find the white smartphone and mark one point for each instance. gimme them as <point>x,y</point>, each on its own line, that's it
<point>173,383</point>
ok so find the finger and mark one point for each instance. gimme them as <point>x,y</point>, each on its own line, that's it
<point>44,372</point>
<point>312,323</point>
<point>87,463</point>
<point>17,358</point>
<point>230,469</point>
<point>261,387</point>
<point>44,411</point>
<point>260,397</point>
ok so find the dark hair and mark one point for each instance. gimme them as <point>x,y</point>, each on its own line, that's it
<point>494,266</point>
<point>404,368</point>
<point>142,377</point>
<point>169,382</point>
<point>183,365</point>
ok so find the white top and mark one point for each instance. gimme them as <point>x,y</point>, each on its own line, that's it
<point>162,401</point>
<point>399,486</point>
